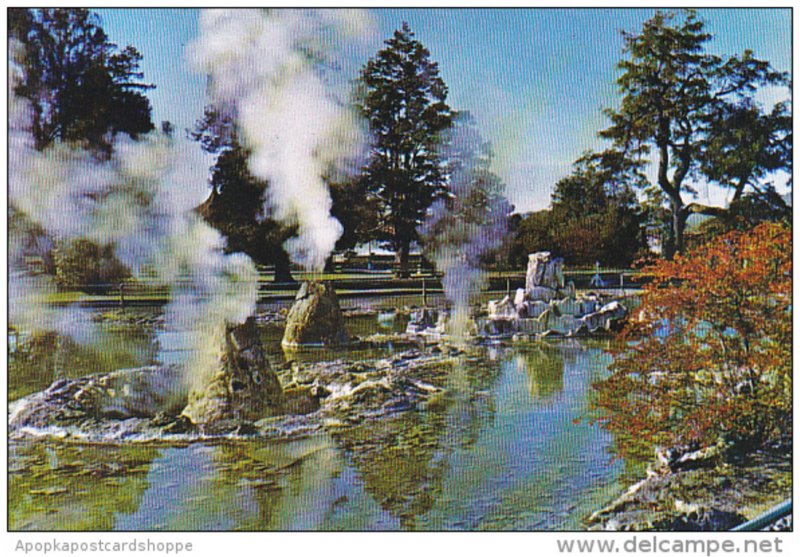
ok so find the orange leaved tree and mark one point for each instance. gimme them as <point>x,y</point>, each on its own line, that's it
<point>708,357</point>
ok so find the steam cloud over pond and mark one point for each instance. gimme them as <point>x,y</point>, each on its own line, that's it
<point>140,201</point>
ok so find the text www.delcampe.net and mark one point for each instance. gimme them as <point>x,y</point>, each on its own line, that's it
<point>663,544</point>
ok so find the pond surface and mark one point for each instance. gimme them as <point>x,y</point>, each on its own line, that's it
<point>506,453</point>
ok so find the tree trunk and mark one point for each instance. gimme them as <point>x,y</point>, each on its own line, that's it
<point>679,216</point>
<point>330,267</point>
<point>401,257</point>
<point>283,271</point>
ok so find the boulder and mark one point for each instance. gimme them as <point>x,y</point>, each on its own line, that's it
<point>544,277</point>
<point>128,393</point>
<point>606,317</point>
<point>244,388</point>
<point>502,309</point>
<point>315,318</point>
<point>519,298</point>
<point>689,457</point>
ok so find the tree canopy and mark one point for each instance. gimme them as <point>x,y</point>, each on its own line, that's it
<point>236,208</point>
<point>82,91</point>
<point>593,217</point>
<point>403,99</point>
<point>696,113</point>
<point>82,88</point>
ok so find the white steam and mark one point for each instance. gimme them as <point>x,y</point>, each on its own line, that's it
<point>140,201</point>
<point>467,225</point>
<point>272,71</point>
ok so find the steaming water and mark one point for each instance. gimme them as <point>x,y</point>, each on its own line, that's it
<point>508,456</point>
<point>467,225</point>
<point>140,202</point>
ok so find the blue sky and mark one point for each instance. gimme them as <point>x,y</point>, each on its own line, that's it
<point>535,79</point>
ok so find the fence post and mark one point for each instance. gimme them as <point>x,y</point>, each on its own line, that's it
<point>122,296</point>
<point>508,286</point>
<point>424,293</point>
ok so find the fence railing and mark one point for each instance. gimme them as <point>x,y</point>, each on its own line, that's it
<point>346,283</point>
<point>767,518</point>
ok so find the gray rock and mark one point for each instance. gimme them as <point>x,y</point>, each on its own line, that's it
<point>689,457</point>
<point>244,387</point>
<point>701,520</point>
<point>127,393</point>
<point>315,318</point>
<point>544,277</point>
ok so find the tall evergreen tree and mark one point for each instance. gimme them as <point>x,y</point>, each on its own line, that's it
<point>403,100</point>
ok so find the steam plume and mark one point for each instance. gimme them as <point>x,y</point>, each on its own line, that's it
<point>272,71</point>
<point>140,201</point>
<point>469,223</point>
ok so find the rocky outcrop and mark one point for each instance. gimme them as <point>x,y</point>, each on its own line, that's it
<point>315,318</point>
<point>699,489</point>
<point>126,393</point>
<point>244,388</point>
<point>547,307</point>
<point>545,276</point>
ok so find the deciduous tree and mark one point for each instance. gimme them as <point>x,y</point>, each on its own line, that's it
<point>594,216</point>
<point>708,355</point>
<point>82,90</point>
<point>695,112</point>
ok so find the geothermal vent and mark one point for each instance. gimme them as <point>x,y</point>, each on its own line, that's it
<point>315,318</point>
<point>244,387</point>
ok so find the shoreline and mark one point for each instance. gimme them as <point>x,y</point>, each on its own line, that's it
<point>713,496</point>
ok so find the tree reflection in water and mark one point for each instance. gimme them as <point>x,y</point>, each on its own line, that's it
<point>61,486</point>
<point>545,368</point>
<point>42,357</point>
<point>403,460</point>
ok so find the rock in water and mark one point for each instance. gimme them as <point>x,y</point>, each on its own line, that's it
<point>315,318</point>
<point>243,389</point>
<point>544,277</point>
<point>122,394</point>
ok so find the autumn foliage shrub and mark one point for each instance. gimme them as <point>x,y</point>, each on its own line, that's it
<point>708,356</point>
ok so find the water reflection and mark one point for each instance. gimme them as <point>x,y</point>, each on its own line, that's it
<point>404,461</point>
<point>245,485</point>
<point>545,368</point>
<point>58,486</point>
<point>400,461</point>
<point>41,358</point>
<point>499,450</point>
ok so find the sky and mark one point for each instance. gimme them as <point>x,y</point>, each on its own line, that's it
<point>536,80</point>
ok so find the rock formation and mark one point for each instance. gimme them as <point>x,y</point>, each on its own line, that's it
<point>122,394</point>
<point>315,318</point>
<point>544,277</point>
<point>546,306</point>
<point>244,387</point>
